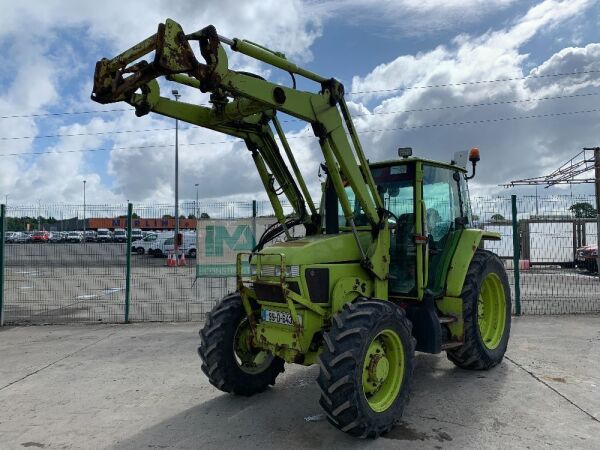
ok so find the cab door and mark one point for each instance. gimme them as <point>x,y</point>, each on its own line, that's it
<point>445,217</point>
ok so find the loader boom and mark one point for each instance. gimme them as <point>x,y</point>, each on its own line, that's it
<point>244,106</point>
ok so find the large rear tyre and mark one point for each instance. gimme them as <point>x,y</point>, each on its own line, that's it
<point>486,313</point>
<point>366,367</point>
<point>228,359</point>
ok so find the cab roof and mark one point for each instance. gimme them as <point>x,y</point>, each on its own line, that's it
<point>410,159</point>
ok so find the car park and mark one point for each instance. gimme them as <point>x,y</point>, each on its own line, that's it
<point>104,235</point>
<point>75,237</point>
<point>586,257</point>
<point>119,235</point>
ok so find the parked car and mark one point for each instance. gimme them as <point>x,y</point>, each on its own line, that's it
<point>57,236</point>
<point>9,236</point>
<point>90,236</point>
<point>586,257</point>
<point>75,236</point>
<point>104,235</point>
<point>150,243</point>
<point>40,236</point>
<point>136,234</point>
<point>21,237</point>
<point>120,235</point>
<point>188,245</point>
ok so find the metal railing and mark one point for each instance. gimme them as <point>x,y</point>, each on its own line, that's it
<point>57,279</point>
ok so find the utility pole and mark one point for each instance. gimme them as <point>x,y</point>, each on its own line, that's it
<point>84,181</point>
<point>176,94</point>
<point>196,208</point>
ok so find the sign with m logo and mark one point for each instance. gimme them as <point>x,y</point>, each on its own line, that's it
<point>220,240</point>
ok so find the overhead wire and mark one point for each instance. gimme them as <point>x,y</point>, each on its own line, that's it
<point>405,88</point>
<point>375,113</point>
<point>365,131</point>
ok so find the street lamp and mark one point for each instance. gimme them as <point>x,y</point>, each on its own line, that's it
<point>176,94</point>
<point>84,181</point>
<point>196,208</point>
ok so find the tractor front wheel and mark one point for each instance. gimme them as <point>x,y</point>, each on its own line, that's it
<point>228,358</point>
<point>486,313</point>
<point>366,367</point>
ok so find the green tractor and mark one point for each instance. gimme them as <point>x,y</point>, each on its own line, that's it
<point>389,264</point>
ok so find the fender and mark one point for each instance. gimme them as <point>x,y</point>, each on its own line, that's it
<point>467,245</point>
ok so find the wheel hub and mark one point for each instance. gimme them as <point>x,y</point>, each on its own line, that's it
<point>377,366</point>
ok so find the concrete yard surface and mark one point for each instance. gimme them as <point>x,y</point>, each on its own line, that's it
<point>140,386</point>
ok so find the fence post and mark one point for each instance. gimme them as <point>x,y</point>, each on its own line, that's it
<point>516,254</point>
<point>128,270</point>
<point>2,254</point>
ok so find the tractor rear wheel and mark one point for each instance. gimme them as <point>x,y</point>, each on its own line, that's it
<point>366,367</point>
<point>486,313</point>
<point>228,358</point>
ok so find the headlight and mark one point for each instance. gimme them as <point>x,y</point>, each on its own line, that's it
<point>275,271</point>
<point>292,271</point>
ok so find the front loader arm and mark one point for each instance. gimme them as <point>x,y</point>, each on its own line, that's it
<point>243,119</point>
<point>243,105</point>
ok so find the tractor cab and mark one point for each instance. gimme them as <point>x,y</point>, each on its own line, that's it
<point>428,205</point>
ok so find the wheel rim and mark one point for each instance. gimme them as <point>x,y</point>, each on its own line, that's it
<point>491,311</point>
<point>383,370</point>
<point>248,359</point>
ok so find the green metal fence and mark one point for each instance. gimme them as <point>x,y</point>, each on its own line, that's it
<point>50,280</point>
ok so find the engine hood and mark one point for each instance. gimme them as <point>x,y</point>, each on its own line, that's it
<point>318,249</point>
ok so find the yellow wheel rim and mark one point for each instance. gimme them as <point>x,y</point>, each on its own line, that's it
<point>491,311</point>
<point>383,370</point>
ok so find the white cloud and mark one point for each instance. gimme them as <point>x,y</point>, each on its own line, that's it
<point>510,149</point>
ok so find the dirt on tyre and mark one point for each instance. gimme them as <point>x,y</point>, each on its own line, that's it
<point>366,367</point>
<point>228,359</point>
<point>486,312</point>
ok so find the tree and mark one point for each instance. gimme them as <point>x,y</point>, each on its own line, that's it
<point>583,210</point>
<point>204,216</point>
<point>167,216</point>
<point>497,218</point>
<point>191,216</point>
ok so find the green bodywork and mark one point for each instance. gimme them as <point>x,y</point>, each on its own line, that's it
<point>351,263</point>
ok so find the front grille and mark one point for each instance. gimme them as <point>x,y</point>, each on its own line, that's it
<point>273,292</point>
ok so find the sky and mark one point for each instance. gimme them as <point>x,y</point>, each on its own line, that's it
<point>520,80</point>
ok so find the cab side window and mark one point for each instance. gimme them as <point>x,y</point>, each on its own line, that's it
<point>442,200</point>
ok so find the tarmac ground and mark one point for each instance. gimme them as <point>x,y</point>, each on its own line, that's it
<point>140,386</point>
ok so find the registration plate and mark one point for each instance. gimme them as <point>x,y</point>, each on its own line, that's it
<point>283,318</point>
